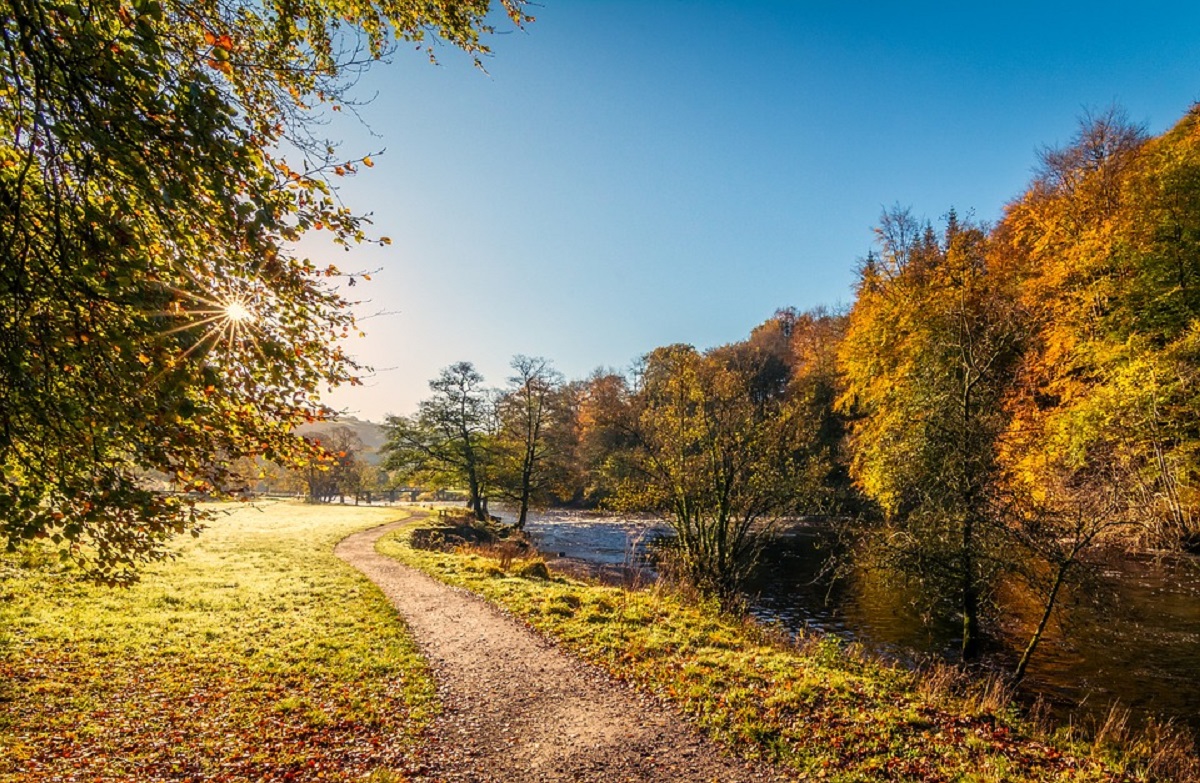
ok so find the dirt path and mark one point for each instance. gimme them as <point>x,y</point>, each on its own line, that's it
<point>519,710</point>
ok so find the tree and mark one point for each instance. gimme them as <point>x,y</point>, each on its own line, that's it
<point>340,472</point>
<point>606,423</point>
<point>714,452</point>
<point>1056,531</point>
<point>526,411</point>
<point>928,356</point>
<point>1103,248</point>
<point>815,385</point>
<point>158,159</point>
<point>450,437</point>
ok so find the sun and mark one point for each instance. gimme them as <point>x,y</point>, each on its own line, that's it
<point>221,320</point>
<point>236,312</point>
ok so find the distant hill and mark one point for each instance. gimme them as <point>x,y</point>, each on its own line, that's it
<point>371,434</point>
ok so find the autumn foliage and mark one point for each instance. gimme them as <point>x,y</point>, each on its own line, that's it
<point>157,161</point>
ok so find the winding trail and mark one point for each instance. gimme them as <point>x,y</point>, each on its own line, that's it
<point>517,709</point>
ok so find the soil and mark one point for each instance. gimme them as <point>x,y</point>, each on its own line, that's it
<point>517,708</point>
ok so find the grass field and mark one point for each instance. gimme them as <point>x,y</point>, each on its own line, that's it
<point>255,655</point>
<point>815,707</point>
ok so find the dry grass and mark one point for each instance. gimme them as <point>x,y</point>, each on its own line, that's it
<point>1155,750</point>
<point>975,693</point>
<point>505,553</point>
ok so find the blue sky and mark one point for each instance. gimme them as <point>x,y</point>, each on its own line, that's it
<point>632,174</point>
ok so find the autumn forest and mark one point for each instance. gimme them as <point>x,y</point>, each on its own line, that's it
<point>998,399</point>
<point>203,576</point>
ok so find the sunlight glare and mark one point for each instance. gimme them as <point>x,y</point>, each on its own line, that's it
<point>236,311</point>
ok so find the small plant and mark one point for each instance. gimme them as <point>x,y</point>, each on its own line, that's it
<point>534,569</point>
<point>505,552</point>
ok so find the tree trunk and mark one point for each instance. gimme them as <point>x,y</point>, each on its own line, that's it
<point>1036,638</point>
<point>970,593</point>
<point>526,491</point>
<point>476,501</point>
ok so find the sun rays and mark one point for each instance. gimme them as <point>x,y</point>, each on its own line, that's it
<point>227,320</point>
<point>236,312</point>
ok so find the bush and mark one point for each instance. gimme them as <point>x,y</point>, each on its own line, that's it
<point>533,569</point>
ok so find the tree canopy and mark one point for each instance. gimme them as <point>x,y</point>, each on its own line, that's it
<point>158,159</point>
<point>718,451</point>
<point>931,344</point>
<point>449,441</point>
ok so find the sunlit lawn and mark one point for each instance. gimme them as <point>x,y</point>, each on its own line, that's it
<point>256,655</point>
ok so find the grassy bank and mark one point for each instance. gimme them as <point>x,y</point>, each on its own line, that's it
<point>255,655</point>
<point>815,707</point>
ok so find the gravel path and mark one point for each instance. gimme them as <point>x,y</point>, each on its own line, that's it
<point>517,709</point>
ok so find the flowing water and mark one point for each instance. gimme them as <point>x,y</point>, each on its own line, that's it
<point>1132,636</point>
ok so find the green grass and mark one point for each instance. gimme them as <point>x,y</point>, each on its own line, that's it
<point>255,655</point>
<point>820,709</point>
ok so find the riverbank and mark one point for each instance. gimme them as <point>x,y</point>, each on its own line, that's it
<point>1127,637</point>
<point>817,706</point>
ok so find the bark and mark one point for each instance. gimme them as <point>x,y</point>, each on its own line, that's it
<point>1036,638</point>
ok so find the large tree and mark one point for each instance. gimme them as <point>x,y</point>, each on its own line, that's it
<point>158,159</point>
<point>928,355</point>
<point>714,450</point>
<point>449,441</point>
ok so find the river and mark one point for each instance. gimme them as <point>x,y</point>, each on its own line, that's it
<point>1133,636</point>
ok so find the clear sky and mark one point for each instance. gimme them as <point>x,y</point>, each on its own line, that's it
<point>632,174</point>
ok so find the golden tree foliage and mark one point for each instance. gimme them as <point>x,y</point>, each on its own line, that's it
<point>1104,251</point>
<point>927,354</point>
